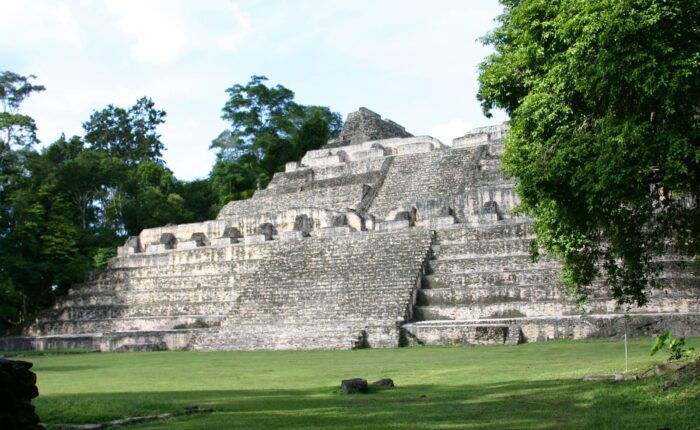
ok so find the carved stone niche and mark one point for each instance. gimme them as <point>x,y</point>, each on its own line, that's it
<point>200,239</point>
<point>445,211</point>
<point>233,233</point>
<point>304,224</point>
<point>168,240</point>
<point>228,237</point>
<point>339,221</point>
<point>491,207</point>
<point>266,229</point>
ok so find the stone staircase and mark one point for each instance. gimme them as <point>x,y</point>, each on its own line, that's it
<point>327,293</point>
<point>482,287</point>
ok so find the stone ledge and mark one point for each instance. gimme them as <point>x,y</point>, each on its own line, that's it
<point>291,235</point>
<point>224,241</point>
<point>189,244</point>
<point>254,238</point>
<point>332,231</point>
<point>438,222</point>
<point>391,225</point>
<point>156,248</point>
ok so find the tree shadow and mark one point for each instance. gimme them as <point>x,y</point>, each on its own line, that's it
<point>550,404</point>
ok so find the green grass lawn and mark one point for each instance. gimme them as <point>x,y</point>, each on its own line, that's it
<point>531,386</point>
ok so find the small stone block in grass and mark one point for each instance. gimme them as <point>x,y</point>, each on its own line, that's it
<point>356,385</point>
<point>384,383</point>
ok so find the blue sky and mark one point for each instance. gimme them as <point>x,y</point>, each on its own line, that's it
<point>411,61</point>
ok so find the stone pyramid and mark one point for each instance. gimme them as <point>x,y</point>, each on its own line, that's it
<point>379,239</point>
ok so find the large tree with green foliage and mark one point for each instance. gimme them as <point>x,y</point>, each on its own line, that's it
<point>268,129</point>
<point>604,101</point>
<point>17,135</point>
<point>138,191</point>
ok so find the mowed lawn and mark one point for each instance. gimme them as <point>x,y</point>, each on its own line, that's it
<point>530,386</point>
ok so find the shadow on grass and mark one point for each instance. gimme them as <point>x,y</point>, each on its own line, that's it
<point>551,404</point>
<point>63,368</point>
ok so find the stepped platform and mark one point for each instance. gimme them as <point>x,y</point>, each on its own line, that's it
<point>378,239</point>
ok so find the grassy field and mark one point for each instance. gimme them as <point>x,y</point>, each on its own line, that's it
<point>531,386</point>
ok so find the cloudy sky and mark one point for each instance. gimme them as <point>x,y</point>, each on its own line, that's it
<point>411,61</point>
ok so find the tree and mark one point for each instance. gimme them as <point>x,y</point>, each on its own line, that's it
<point>17,135</point>
<point>16,129</point>
<point>152,200</point>
<point>603,97</point>
<point>129,134</point>
<point>126,139</point>
<point>268,129</point>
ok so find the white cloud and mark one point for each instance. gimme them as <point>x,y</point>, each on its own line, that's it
<point>36,24</point>
<point>453,128</point>
<point>162,31</point>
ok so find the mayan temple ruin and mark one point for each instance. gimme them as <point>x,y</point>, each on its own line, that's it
<point>379,239</point>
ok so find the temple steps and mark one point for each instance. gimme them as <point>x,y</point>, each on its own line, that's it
<point>677,288</point>
<point>194,292</point>
<point>369,177</point>
<point>471,264</point>
<point>109,325</point>
<point>160,308</point>
<point>457,296</point>
<point>492,277</point>
<point>165,285</point>
<point>484,275</point>
<point>356,278</point>
<point>185,269</point>
<point>332,198</point>
<point>510,309</point>
<point>516,229</point>
<point>482,248</point>
<point>412,178</point>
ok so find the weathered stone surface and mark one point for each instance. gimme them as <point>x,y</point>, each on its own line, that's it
<point>332,231</point>
<point>384,382</point>
<point>355,385</point>
<point>132,245</point>
<point>328,255</point>
<point>255,238</point>
<point>17,389</point>
<point>365,125</point>
<point>392,225</point>
<point>291,235</point>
